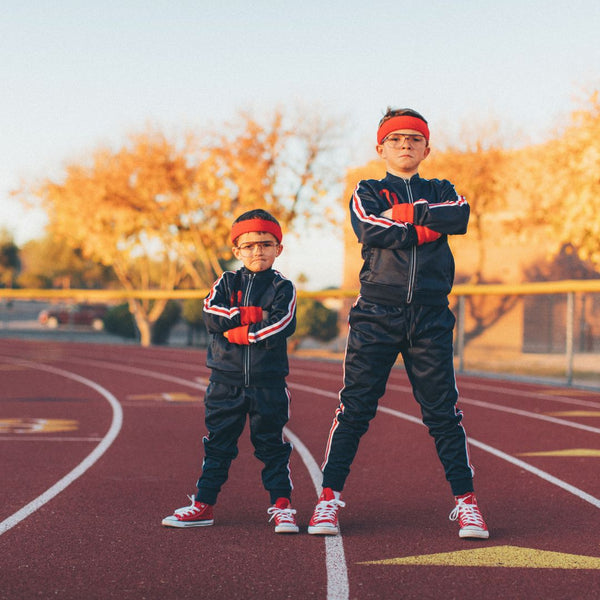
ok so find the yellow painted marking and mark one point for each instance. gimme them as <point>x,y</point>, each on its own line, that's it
<point>166,396</point>
<point>30,425</point>
<point>499,556</point>
<point>593,452</point>
<point>575,413</point>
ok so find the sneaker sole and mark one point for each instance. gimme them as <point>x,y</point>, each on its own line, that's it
<point>287,529</point>
<point>481,534</point>
<point>171,522</point>
<point>322,530</point>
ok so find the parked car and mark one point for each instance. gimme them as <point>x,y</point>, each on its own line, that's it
<point>91,315</point>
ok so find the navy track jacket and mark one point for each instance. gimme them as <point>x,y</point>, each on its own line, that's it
<point>396,270</point>
<point>263,362</point>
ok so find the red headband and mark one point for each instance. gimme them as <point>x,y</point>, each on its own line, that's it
<point>402,122</point>
<point>256,225</point>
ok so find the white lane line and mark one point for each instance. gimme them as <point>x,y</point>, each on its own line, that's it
<point>24,438</point>
<point>86,463</point>
<point>138,371</point>
<point>514,411</point>
<point>564,399</point>
<point>507,457</point>
<point>511,459</point>
<point>506,391</point>
<point>526,413</point>
<point>337,572</point>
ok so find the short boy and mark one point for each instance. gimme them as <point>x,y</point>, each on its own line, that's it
<point>249,313</point>
<point>403,222</point>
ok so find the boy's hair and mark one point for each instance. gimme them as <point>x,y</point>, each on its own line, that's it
<point>255,220</point>
<point>400,112</point>
<point>403,117</point>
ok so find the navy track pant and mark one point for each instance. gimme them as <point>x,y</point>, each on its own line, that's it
<point>226,408</point>
<point>423,336</point>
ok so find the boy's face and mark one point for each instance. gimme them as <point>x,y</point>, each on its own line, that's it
<point>403,151</point>
<point>257,250</point>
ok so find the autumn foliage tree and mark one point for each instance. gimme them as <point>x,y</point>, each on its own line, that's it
<point>48,263</point>
<point>560,186</point>
<point>159,212</point>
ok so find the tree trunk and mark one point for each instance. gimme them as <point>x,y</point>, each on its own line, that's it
<point>145,330</point>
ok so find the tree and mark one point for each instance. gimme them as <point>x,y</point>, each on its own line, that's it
<point>159,213</point>
<point>49,263</point>
<point>118,211</point>
<point>315,320</point>
<point>478,170</point>
<point>285,166</point>
<point>562,186</point>
<point>10,263</point>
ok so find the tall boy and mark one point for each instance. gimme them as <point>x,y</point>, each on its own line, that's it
<point>249,313</point>
<point>403,223</point>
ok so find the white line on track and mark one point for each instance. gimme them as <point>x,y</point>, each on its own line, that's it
<point>555,397</point>
<point>337,577</point>
<point>502,455</point>
<point>337,574</point>
<point>514,411</point>
<point>86,463</point>
<point>526,413</point>
<point>43,438</point>
<point>511,459</point>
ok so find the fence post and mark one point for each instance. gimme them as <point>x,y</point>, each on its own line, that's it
<point>569,336</point>
<point>460,334</point>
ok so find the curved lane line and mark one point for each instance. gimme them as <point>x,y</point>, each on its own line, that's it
<point>86,463</point>
<point>337,573</point>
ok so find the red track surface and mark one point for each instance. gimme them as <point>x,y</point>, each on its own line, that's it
<point>98,534</point>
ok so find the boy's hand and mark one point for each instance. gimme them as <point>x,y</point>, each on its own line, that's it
<point>251,314</point>
<point>426,235</point>
<point>404,213</point>
<point>238,335</point>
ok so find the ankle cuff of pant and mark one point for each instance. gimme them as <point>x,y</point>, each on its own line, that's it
<point>462,486</point>
<point>276,494</point>
<point>207,497</point>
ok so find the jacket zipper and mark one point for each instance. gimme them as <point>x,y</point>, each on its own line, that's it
<point>412,271</point>
<point>246,350</point>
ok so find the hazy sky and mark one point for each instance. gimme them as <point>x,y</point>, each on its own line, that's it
<point>79,74</point>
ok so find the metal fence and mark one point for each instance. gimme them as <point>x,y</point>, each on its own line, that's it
<point>545,330</point>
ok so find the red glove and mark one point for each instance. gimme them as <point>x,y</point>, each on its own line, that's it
<point>251,314</point>
<point>426,235</point>
<point>238,335</point>
<point>403,212</point>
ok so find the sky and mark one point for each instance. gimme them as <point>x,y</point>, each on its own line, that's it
<point>77,75</point>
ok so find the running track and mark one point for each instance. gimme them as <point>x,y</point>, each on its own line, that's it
<point>99,443</point>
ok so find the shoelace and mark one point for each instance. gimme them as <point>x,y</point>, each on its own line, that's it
<point>282,515</point>
<point>187,510</point>
<point>468,514</point>
<point>327,509</point>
